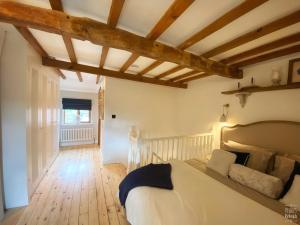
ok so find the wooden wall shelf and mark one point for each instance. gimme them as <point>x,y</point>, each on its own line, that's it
<point>253,89</point>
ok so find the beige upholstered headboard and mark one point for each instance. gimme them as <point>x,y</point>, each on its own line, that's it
<point>280,136</point>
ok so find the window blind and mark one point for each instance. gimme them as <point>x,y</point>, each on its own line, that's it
<point>79,104</point>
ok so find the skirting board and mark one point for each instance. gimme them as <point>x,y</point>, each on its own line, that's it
<point>73,143</point>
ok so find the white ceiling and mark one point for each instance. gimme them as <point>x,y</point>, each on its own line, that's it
<point>140,16</point>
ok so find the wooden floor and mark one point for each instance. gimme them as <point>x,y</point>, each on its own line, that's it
<point>77,190</point>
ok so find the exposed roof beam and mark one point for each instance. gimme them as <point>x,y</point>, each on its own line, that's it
<point>185,75</point>
<point>57,5</point>
<point>268,56</point>
<point>102,34</point>
<point>199,76</point>
<point>263,48</point>
<point>257,33</point>
<point>97,79</point>
<point>168,72</point>
<point>103,56</point>
<point>222,21</point>
<point>114,14</point>
<point>110,73</point>
<point>150,67</point>
<point>27,35</point>
<point>58,71</point>
<point>173,12</point>
<point>71,53</point>
<point>132,58</point>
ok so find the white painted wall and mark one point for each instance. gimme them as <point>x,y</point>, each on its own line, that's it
<point>201,104</point>
<point>22,166</point>
<point>151,108</point>
<point>83,95</point>
<point>163,111</point>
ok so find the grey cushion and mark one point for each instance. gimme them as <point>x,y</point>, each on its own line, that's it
<point>260,158</point>
<point>283,168</point>
<point>266,184</point>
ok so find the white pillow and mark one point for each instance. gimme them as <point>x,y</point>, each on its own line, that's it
<point>261,182</point>
<point>220,161</point>
<point>293,196</point>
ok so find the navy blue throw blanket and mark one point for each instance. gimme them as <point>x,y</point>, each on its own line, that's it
<point>152,175</point>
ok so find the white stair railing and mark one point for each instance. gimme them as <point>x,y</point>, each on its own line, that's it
<point>157,150</point>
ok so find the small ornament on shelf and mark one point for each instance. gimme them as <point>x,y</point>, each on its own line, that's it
<point>239,85</point>
<point>275,77</point>
<point>252,81</point>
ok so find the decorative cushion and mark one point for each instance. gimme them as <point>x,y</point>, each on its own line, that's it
<point>283,168</point>
<point>296,171</point>
<point>259,158</point>
<point>241,157</point>
<point>293,195</point>
<point>261,182</point>
<point>220,161</point>
<point>295,157</point>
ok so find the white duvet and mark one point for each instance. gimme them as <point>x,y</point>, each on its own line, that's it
<point>196,199</point>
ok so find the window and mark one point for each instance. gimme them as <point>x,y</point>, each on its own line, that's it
<point>84,116</point>
<point>76,111</point>
<point>70,116</point>
<point>75,116</point>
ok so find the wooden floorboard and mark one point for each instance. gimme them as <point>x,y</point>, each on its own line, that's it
<point>77,190</point>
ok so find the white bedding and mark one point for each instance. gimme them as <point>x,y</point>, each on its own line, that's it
<point>196,199</point>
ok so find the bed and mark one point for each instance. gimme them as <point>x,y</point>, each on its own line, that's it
<point>201,196</point>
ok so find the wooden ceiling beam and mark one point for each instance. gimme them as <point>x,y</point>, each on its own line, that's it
<point>199,76</point>
<point>255,34</point>
<point>58,71</point>
<point>113,18</point>
<point>27,35</point>
<point>133,57</point>
<point>149,68</point>
<point>97,79</point>
<point>57,5</point>
<point>71,53</point>
<point>109,73</point>
<point>168,72</point>
<point>222,21</point>
<point>103,56</point>
<point>263,48</point>
<point>183,76</point>
<point>268,56</point>
<point>115,12</point>
<point>102,34</point>
<point>173,12</point>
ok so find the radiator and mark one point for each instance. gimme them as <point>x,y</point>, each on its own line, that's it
<point>77,135</point>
